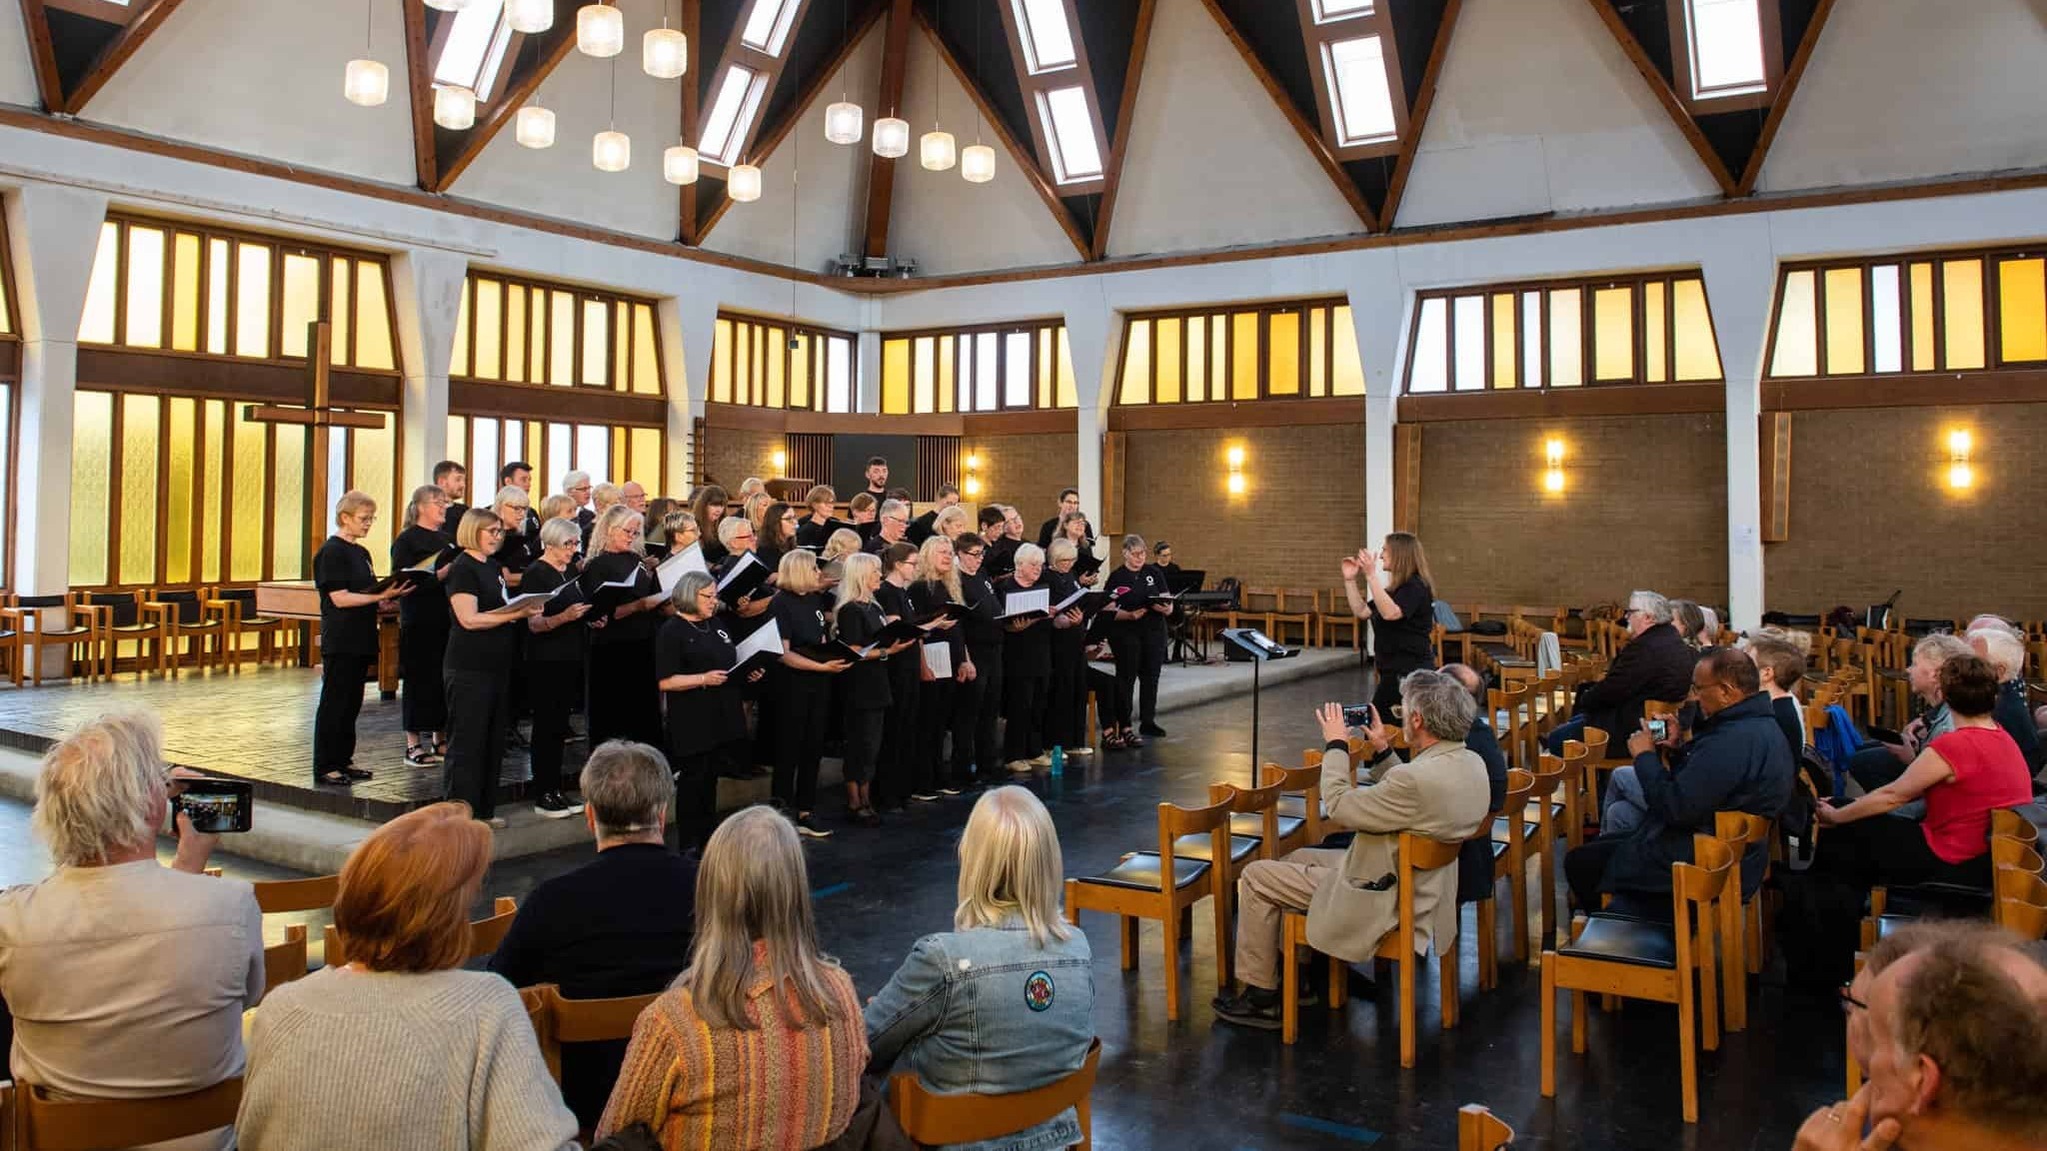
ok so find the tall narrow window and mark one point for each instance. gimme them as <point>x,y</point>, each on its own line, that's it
<point>1058,84</point>
<point>1047,39</point>
<point>1356,72</point>
<point>474,44</point>
<point>1362,99</point>
<point>767,26</point>
<point>746,72</point>
<point>1076,154</point>
<point>1729,52</point>
<point>738,100</point>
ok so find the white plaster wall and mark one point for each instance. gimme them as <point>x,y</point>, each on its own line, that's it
<point>17,71</point>
<point>560,181</point>
<point>813,203</point>
<point>940,220</point>
<point>1902,89</point>
<point>263,77</point>
<point>1212,161</point>
<point>1538,110</point>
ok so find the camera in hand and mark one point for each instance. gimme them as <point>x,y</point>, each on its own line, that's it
<point>1659,729</point>
<point>217,806</point>
<point>1357,715</point>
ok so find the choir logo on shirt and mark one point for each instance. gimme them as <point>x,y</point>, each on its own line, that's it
<point>1038,991</point>
<point>723,637</point>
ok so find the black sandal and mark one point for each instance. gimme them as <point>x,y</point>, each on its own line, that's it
<point>355,773</point>
<point>336,778</point>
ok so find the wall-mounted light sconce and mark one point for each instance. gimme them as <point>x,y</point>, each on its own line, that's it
<point>1960,475</point>
<point>1234,481</point>
<point>1553,457</point>
<point>970,486</point>
<point>781,461</point>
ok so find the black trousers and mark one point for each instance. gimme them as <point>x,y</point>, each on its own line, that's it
<point>478,702</point>
<point>896,770</point>
<point>1140,657</point>
<point>1065,723</point>
<point>863,727</point>
<point>977,706</point>
<point>1585,867</point>
<point>1387,691</point>
<point>624,701</point>
<point>801,712</point>
<point>341,680</point>
<point>1023,707</point>
<point>1890,850</point>
<point>935,707</point>
<point>696,794</point>
<point>422,701</point>
<point>1102,685</point>
<point>1873,767</point>
<point>551,688</point>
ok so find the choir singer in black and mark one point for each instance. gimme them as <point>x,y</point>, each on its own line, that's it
<point>1137,635</point>
<point>348,637</point>
<point>477,668</point>
<point>706,716</point>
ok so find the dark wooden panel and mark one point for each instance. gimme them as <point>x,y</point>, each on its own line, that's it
<point>1252,414</point>
<point>1035,422</point>
<point>809,455</point>
<point>10,359</point>
<point>1775,432</point>
<point>938,462</point>
<point>1407,477</point>
<point>1917,390</point>
<point>1115,452</point>
<point>173,373</point>
<point>1632,400</point>
<point>537,402</point>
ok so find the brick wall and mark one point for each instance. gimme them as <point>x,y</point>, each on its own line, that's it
<point>1644,506</point>
<point>1025,472</point>
<point>1303,507</point>
<point>1872,512</point>
<point>732,454</point>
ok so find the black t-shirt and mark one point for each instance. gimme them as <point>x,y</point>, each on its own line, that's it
<point>867,681</point>
<point>984,630</point>
<point>453,520</point>
<point>922,527</point>
<point>810,534</point>
<point>517,552</point>
<point>1402,645</point>
<point>926,598</point>
<point>1026,652</point>
<point>714,552</point>
<point>701,718</point>
<point>878,545</point>
<point>998,559</point>
<point>1068,642</point>
<point>425,606</point>
<point>488,649</point>
<point>902,666</point>
<point>343,566</point>
<point>1138,590</point>
<point>610,567</point>
<point>802,618</point>
<point>565,643</point>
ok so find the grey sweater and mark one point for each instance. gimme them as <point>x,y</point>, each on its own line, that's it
<point>344,1060</point>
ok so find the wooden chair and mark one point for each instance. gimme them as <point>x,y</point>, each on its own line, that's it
<point>184,617</point>
<point>1417,854</point>
<point>286,961</point>
<point>1154,885</point>
<point>281,895</point>
<point>1282,618</point>
<point>1596,741</point>
<point>80,626</point>
<point>932,1120</point>
<point>236,606</point>
<point>1736,829</point>
<point>1255,805</point>
<point>1478,1129</point>
<point>1300,795</point>
<point>1255,606</point>
<point>123,620</point>
<point>558,1020</point>
<point>1339,617</point>
<point>1642,960</point>
<point>1576,756</point>
<point>1507,711</point>
<point>1541,815</point>
<point>484,934</point>
<point>1510,862</point>
<point>40,1122</point>
<point>2022,903</point>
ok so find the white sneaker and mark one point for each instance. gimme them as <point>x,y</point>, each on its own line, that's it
<point>1022,767</point>
<point>1080,751</point>
<point>1043,759</point>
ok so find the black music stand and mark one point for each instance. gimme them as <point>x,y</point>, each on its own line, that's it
<point>1260,647</point>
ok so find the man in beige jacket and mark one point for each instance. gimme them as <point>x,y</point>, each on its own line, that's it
<point>1352,896</point>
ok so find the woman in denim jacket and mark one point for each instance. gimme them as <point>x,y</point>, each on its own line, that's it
<point>1005,1002</point>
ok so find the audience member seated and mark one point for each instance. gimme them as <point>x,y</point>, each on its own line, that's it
<point>759,1043</point>
<point>1690,621</point>
<point>1475,861</point>
<point>1877,765</point>
<point>1351,896</point>
<point>127,979</point>
<point>618,925</point>
<point>400,1047</point>
<point>2006,654</point>
<point>1655,664</point>
<point>1945,1019</point>
<point>1781,666</point>
<point>1735,760</point>
<point>1005,1001</point>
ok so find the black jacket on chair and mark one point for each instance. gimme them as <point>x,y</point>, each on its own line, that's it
<point>1736,761</point>
<point>1475,859</point>
<point>1654,665</point>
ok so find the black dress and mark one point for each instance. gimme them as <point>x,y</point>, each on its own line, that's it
<point>899,738</point>
<point>422,634</point>
<point>977,704</point>
<point>476,672</point>
<point>866,692</point>
<point>703,724</point>
<point>623,701</point>
<point>935,697</point>
<point>1026,676</point>
<point>1402,645</point>
<point>802,703</point>
<point>348,649</point>
<point>1065,722</point>
<point>554,672</point>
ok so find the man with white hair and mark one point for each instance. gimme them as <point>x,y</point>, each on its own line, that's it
<point>576,486</point>
<point>2007,655</point>
<point>1655,664</point>
<point>894,525</point>
<point>633,494</point>
<point>127,979</point>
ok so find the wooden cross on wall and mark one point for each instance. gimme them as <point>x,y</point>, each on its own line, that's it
<point>318,416</point>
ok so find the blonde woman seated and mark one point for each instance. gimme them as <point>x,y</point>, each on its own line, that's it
<point>1005,1001</point>
<point>758,1043</point>
<point>400,1047</point>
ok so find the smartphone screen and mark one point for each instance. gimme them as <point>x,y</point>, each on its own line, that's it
<point>1357,715</point>
<point>1659,729</point>
<point>218,806</point>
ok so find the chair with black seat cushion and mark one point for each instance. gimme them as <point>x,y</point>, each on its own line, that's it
<point>237,606</point>
<point>1300,795</point>
<point>185,617</point>
<point>122,620</point>
<point>1641,959</point>
<point>1155,885</point>
<point>1290,822</point>
<point>67,621</point>
<point>1253,830</point>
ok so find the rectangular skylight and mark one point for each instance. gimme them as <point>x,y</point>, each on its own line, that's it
<point>1362,98</point>
<point>767,25</point>
<point>1327,10</point>
<point>732,112</point>
<point>1726,41</point>
<point>1047,41</point>
<point>1076,154</point>
<point>475,48</point>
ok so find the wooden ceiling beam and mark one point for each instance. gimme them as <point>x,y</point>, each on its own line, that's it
<point>502,110</point>
<point>1418,116</point>
<point>117,52</point>
<point>881,172</point>
<point>35,21</point>
<point>1309,134</point>
<point>419,85</point>
<point>1660,87</point>
<point>1780,106</point>
<point>1112,176</point>
<point>686,199</point>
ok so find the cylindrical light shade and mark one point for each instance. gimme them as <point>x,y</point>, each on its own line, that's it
<point>366,82</point>
<point>679,165</point>
<point>977,163</point>
<point>842,123</point>
<point>611,151</point>
<point>664,53</point>
<point>891,137</point>
<point>600,30</point>
<point>534,127</point>
<point>936,151</point>
<point>448,5</point>
<point>529,16</point>
<point>454,108</point>
<point>743,183</point>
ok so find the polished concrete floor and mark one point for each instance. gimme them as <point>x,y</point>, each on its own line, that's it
<point>1199,1084</point>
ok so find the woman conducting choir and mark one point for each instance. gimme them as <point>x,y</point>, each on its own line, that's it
<point>622,701</point>
<point>899,777</point>
<point>802,708</point>
<point>709,508</point>
<point>867,695</point>
<point>348,637</point>
<point>1137,635</point>
<point>1026,666</point>
<point>938,585</point>
<point>558,644</point>
<point>693,653</point>
<point>1399,598</point>
<point>423,628</point>
<point>477,668</point>
<point>1065,719</point>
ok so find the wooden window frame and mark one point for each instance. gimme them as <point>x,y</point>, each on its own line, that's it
<point>1318,38</point>
<point>103,10</point>
<point>10,309</point>
<point>962,337</point>
<point>438,46</point>
<point>819,363</point>
<point>1304,308</point>
<point>461,452</point>
<point>1637,283</point>
<point>1769,22</point>
<point>1036,86</point>
<point>769,68</point>
<point>582,297</point>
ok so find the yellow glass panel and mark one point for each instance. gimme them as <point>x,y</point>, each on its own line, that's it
<point>515,333</point>
<point>596,342</point>
<point>1068,396</point>
<point>145,287</point>
<point>742,363</point>
<point>6,310</point>
<point>301,303</point>
<point>621,346</point>
<point>181,443</point>
<point>1505,342</point>
<point>895,377</point>
<point>1566,338</point>
<point>92,468</point>
<point>372,469</point>
<point>97,324</point>
<point>1613,334</point>
<point>490,322</point>
<point>776,344</point>
<point>1197,358</point>
<point>1797,352</point>
<point>252,300</point>
<point>1318,351</point>
<point>799,374</point>
<point>536,335</point>
<point>1843,324</point>
<point>645,469</point>
<point>646,353</point>
<point>1136,385</point>
<point>1347,377</point>
<point>1244,356</point>
<point>948,388</point>
<point>458,439</point>
<point>215,468</point>
<point>1166,352</point>
<point>1922,318</point>
<point>216,296</point>
<point>1283,359</point>
<point>1962,281</point>
<point>1655,371</point>
<point>721,361</point>
<point>1698,352</point>
<point>1043,392</point>
<point>342,274</point>
<point>139,486</point>
<point>458,364</point>
<point>251,464</point>
<point>185,293</point>
<point>288,527</point>
<point>923,374</point>
<point>2022,310</point>
<point>561,339</point>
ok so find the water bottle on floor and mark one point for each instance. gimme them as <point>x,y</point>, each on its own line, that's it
<point>1058,760</point>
